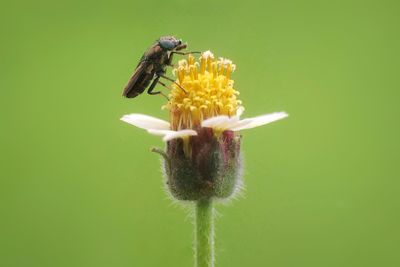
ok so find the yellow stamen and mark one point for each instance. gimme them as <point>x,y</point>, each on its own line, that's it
<point>208,91</point>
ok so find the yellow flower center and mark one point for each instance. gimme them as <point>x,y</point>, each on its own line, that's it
<point>205,90</point>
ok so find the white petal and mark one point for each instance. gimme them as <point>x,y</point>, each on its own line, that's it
<point>160,132</point>
<point>259,121</point>
<point>230,123</point>
<point>215,122</point>
<point>240,123</point>
<point>239,111</point>
<point>169,134</point>
<point>177,134</point>
<point>146,122</point>
<point>221,123</point>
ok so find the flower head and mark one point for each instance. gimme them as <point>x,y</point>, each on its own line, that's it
<point>208,91</point>
<point>202,159</point>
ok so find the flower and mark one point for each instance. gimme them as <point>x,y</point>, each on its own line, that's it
<point>202,159</point>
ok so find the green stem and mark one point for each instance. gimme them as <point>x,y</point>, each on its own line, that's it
<point>204,234</point>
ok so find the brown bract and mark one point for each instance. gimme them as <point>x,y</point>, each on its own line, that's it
<point>204,166</point>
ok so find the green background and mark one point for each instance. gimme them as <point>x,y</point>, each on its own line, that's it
<point>80,188</point>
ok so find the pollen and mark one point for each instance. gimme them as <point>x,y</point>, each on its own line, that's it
<point>202,89</point>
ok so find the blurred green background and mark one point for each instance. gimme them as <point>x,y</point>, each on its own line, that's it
<point>80,188</point>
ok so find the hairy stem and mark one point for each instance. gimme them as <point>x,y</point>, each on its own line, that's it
<point>204,233</point>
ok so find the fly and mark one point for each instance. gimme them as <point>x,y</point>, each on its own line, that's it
<point>152,66</point>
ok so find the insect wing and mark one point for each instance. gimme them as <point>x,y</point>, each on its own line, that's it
<point>136,84</point>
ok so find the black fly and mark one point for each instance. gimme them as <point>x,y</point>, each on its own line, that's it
<point>153,65</point>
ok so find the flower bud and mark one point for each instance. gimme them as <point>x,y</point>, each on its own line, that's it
<point>203,166</point>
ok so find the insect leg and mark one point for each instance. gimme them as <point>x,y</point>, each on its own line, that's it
<point>169,79</point>
<point>166,86</point>
<point>163,84</point>
<point>169,60</point>
<point>153,84</point>
<point>185,53</point>
<point>164,95</point>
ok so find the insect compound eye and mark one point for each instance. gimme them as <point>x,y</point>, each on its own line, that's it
<point>167,43</point>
